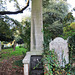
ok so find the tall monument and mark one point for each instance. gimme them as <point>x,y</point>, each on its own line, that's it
<point>36,34</point>
<point>36,26</point>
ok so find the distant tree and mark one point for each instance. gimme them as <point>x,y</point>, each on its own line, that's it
<point>19,40</point>
<point>8,29</point>
<point>68,30</point>
<point>25,32</point>
<point>53,16</point>
<point>55,11</point>
<point>6,33</point>
<point>68,18</point>
<point>68,26</point>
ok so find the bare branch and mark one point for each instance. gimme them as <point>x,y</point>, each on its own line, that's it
<point>15,12</point>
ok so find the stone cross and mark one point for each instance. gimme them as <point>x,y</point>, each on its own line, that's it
<point>61,48</point>
<point>0,45</point>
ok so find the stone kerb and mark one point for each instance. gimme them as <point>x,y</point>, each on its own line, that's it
<point>61,48</point>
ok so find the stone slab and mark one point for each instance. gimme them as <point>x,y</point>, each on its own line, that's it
<point>61,48</point>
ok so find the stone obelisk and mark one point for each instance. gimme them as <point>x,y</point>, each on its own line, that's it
<point>36,34</point>
<point>36,26</point>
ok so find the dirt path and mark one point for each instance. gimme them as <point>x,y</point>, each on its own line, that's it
<point>7,67</point>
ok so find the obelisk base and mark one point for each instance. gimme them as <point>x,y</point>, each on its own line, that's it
<point>26,60</point>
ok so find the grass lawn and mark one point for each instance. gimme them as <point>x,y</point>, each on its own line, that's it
<point>7,53</point>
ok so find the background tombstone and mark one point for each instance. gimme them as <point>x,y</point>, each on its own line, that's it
<point>0,45</point>
<point>61,48</point>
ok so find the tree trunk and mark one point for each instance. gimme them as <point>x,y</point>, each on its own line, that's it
<point>0,45</point>
<point>14,46</point>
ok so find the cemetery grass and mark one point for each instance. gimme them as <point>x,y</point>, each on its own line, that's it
<point>11,61</point>
<point>7,53</point>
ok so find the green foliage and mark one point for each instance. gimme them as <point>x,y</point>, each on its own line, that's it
<point>68,30</point>
<point>5,31</point>
<point>68,26</point>
<point>73,70</point>
<point>67,67</point>
<point>25,32</point>
<point>71,42</point>
<point>68,18</point>
<point>19,40</point>
<point>55,11</point>
<point>51,61</point>
<point>52,67</point>
<point>53,17</point>
<point>50,32</point>
<point>45,3</point>
<point>8,27</point>
<point>72,25</point>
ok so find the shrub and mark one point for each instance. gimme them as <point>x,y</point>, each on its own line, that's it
<point>51,61</point>
<point>52,65</point>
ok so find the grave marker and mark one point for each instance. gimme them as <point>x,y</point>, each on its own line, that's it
<point>61,48</point>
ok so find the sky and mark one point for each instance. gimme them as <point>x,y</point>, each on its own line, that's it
<point>72,3</point>
<point>27,12</point>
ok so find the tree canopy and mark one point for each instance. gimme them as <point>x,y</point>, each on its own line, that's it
<point>25,31</point>
<point>5,31</point>
<point>53,16</point>
<point>8,27</point>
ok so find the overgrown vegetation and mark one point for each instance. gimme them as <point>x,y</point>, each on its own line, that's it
<point>52,67</point>
<point>25,32</point>
<point>71,42</point>
<point>58,22</point>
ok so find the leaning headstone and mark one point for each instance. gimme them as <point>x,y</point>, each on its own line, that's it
<point>0,45</point>
<point>61,48</point>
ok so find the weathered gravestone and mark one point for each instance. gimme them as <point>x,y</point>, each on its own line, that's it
<point>61,48</point>
<point>0,45</point>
